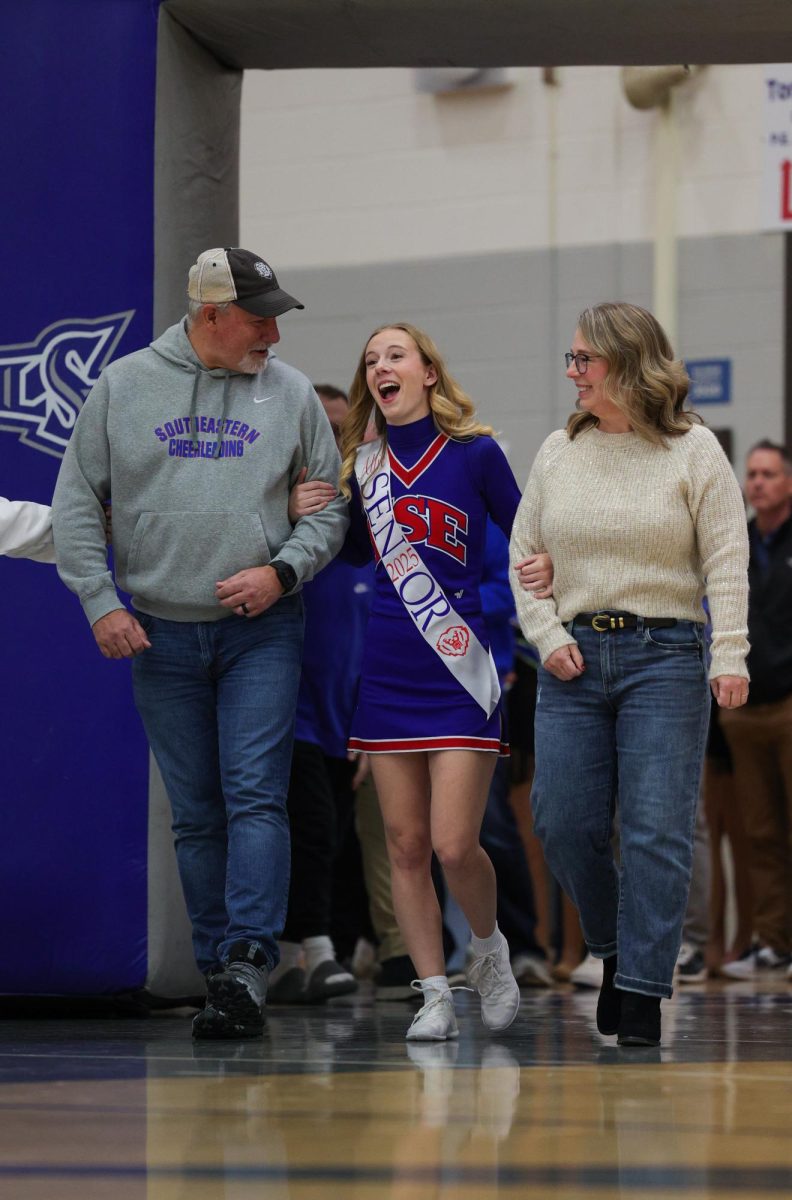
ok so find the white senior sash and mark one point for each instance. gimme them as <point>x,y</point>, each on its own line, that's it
<point>441,627</point>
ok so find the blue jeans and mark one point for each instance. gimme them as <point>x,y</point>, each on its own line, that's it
<point>633,724</point>
<point>217,699</point>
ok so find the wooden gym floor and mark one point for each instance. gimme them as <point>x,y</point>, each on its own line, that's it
<point>333,1103</point>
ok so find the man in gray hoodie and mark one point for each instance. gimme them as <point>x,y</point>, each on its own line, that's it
<point>199,438</point>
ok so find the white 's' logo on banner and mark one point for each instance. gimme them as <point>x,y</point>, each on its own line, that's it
<point>43,383</point>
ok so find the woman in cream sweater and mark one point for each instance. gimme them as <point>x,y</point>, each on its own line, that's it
<point>637,505</point>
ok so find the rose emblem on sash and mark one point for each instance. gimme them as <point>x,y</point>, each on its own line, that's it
<point>454,641</point>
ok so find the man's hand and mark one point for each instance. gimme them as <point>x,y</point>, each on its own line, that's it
<point>536,575</point>
<point>119,635</point>
<point>362,771</point>
<point>730,691</point>
<point>566,662</point>
<point>250,592</point>
<point>305,499</point>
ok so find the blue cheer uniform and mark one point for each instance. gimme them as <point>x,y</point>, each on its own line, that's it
<point>443,491</point>
<point>337,603</point>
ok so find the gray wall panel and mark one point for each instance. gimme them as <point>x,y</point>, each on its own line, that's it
<point>503,322</point>
<point>721,263</point>
<point>197,162</point>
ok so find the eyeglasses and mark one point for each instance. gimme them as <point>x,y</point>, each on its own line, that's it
<point>581,361</point>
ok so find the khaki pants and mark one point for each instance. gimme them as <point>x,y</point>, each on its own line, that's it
<point>760,740</point>
<point>376,869</point>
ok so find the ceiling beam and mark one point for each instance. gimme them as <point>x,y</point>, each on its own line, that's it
<point>277,34</point>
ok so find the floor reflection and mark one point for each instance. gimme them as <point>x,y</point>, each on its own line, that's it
<point>333,1102</point>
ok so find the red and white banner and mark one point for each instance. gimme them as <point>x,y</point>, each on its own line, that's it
<point>777,158</point>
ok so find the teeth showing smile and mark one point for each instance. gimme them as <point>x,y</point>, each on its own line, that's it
<point>386,390</point>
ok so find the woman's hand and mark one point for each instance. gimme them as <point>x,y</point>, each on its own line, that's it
<point>307,499</point>
<point>566,662</point>
<point>536,575</point>
<point>730,691</point>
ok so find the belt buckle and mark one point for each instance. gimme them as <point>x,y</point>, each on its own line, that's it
<point>601,622</point>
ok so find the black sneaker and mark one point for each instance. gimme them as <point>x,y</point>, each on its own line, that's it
<point>213,1024</point>
<point>235,996</point>
<point>690,965</point>
<point>329,979</point>
<point>639,1023</point>
<point>289,988</point>
<point>395,977</point>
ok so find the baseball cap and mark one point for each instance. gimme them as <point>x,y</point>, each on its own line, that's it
<point>230,274</point>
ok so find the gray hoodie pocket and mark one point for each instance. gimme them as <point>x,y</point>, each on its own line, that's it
<point>177,558</point>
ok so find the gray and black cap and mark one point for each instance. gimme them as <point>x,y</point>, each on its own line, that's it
<point>229,274</point>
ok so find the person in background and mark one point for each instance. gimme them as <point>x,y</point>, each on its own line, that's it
<point>691,964</point>
<point>323,780</point>
<point>760,735</point>
<point>26,530</point>
<point>500,835</point>
<point>557,925</point>
<point>394,969</point>
<point>639,509</point>
<point>726,824</point>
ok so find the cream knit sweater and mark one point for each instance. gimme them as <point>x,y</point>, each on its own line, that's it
<point>639,528</point>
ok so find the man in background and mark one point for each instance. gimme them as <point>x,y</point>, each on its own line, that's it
<point>760,734</point>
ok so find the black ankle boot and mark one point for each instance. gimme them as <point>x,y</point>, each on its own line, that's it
<point>610,998</point>
<point>639,1024</point>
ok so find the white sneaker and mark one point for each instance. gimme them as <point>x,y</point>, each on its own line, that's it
<point>436,1062</point>
<point>491,976</point>
<point>498,1091</point>
<point>531,971</point>
<point>588,974</point>
<point>767,959</point>
<point>430,1056</point>
<point>743,967</point>
<point>435,1020</point>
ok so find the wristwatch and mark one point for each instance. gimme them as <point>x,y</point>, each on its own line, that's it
<point>287,576</point>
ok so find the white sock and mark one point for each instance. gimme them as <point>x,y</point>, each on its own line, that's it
<point>290,956</point>
<point>434,985</point>
<point>487,945</point>
<point>317,950</point>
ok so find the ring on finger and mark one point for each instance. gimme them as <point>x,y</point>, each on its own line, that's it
<point>245,609</point>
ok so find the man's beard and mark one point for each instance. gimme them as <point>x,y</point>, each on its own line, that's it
<point>252,364</point>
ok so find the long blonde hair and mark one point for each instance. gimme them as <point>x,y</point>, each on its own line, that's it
<point>644,380</point>
<point>452,409</point>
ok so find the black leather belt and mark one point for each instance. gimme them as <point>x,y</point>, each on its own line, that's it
<point>603,622</point>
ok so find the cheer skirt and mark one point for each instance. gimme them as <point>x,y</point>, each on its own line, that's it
<point>409,701</point>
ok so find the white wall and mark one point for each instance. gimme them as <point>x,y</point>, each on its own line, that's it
<point>352,167</point>
<point>469,215</point>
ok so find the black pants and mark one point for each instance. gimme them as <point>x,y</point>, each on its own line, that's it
<point>327,896</point>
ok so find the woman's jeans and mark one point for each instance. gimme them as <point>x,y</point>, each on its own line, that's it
<point>217,699</point>
<point>633,725</point>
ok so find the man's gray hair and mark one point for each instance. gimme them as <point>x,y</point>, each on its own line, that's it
<point>195,306</point>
